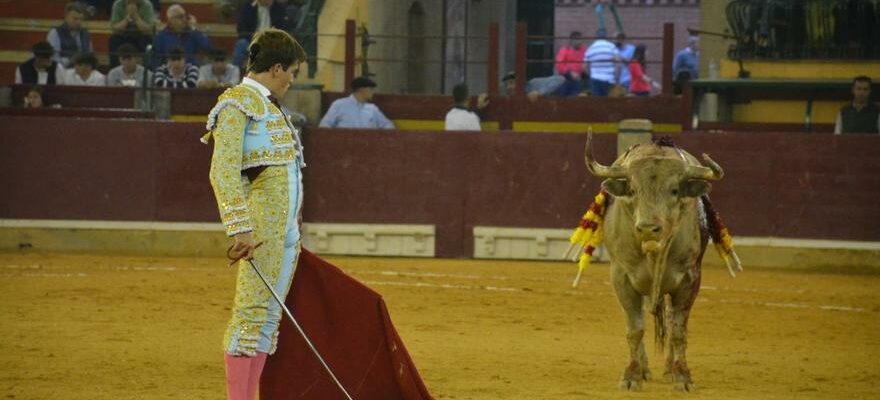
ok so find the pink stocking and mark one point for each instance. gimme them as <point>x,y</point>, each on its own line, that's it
<point>256,370</point>
<point>237,375</point>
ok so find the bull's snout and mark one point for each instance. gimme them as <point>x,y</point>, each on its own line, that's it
<point>648,230</point>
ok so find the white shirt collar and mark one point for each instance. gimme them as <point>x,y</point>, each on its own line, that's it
<point>257,85</point>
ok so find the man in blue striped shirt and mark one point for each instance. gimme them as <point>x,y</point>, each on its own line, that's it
<point>602,61</point>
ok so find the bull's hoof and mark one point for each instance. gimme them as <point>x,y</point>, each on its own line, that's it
<point>684,387</point>
<point>668,377</point>
<point>630,385</point>
<point>646,374</point>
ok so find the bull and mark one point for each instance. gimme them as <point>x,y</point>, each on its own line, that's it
<point>656,234</point>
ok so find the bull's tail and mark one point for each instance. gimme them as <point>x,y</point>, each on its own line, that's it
<point>660,331</point>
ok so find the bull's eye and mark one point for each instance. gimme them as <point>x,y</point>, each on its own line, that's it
<point>675,192</point>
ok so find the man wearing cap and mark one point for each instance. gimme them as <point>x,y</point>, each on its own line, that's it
<point>355,111</point>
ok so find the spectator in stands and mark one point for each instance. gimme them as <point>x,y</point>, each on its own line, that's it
<point>218,73</point>
<point>686,64</point>
<point>34,98</point>
<point>70,38</point>
<point>40,69</point>
<point>129,73</point>
<point>356,111</point>
<point>860,116</point>
<point>641,83</point>
<point>84,72</point>
<point>181,32</point>
<point>602,61</point>
<point>132,22</point>
<point>569,65</point>
<point>176,73</point>
<point>256,16</point>
<point>460,118</point>
<point>626,51</point>
<point>535,87</point>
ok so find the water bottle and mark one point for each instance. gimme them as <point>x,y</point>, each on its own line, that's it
<point>713,69</point>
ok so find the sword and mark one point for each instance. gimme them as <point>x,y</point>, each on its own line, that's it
<point>300,329</point>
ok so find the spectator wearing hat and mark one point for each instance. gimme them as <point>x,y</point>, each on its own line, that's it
<point>84,72</point>
<point>218,73</point>
<point>176,73</point>
<point>356,111</point>
<point>460,118</point>
<point>70,38</point>
<point>132,22</point>
<point>129,73</point>
<point>40,69</point>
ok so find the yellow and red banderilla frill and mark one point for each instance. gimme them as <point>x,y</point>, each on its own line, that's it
<point>588,234</point>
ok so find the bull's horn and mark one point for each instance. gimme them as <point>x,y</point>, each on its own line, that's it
<point>599,170</point>
<point>712,173</point>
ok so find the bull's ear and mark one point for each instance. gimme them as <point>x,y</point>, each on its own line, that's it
<point>694,188</point>
<point>617,187</point>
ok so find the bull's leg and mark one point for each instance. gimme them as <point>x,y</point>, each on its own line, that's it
<point>682,301</point>
<point>631,301</point>
<point>668,374</point>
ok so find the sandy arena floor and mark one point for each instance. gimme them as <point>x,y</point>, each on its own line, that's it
<point>89,327</point>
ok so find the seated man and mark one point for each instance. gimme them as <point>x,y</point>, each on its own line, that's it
<point>860,116</point>
<point>130,73</point>
<point>40,69</point>
<point>460,118</point>
<point>218,73</point>
<point>70,37</point>
<point>176,73</point>
<point>356,111</point>
<point>84,72</point>
<point>535,87</point>
<point>180,32</point>
<point>132,22</point>
<point>253,17</point>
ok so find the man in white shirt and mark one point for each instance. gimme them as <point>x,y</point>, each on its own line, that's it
<point>356,111</point>
<point>219,73</point>
<point>83,72</point>
<point>129,73</point>
<point>602,61</point>
<point>460,118</point>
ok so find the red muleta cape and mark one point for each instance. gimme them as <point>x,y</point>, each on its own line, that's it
<point>349,325</point>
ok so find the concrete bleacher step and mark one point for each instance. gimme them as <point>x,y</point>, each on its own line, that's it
<point>17,35</point>
<point>54,9</point>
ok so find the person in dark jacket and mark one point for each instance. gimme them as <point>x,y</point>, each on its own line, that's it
<point>70,38</point>
<point>861,115</point>
<point>40,69</point>
<point>255,16</point>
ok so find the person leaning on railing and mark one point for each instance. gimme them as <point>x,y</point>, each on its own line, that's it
<point>356,111</point>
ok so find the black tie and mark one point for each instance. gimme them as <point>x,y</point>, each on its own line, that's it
<point>275,101</point>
